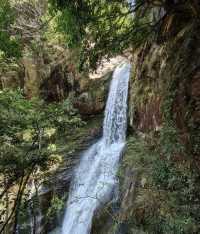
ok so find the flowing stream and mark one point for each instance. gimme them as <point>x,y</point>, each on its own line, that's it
<point>95,179</point>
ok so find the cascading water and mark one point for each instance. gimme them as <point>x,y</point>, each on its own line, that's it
<point>95,178</point>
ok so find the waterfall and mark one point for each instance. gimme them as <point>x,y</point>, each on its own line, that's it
<point>95,177</point>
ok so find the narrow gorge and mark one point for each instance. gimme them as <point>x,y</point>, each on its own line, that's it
<point>99,117</point>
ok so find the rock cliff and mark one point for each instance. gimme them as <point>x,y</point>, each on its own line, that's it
<point>159,172</point>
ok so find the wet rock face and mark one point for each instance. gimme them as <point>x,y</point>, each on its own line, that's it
<point>164,74</point>
<point>145,99</point>
<point>60,84</point>
<point>87,104</point>
<point>128,193</point>
<point>149,116</point>
<point>92,98</point>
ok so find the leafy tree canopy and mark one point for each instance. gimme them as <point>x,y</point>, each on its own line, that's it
<point>9,44</point>
<point>24,143</point>
<point>105,28</point>
<point>97,27</point>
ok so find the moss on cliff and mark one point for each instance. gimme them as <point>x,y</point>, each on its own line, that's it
<point>160,170</point>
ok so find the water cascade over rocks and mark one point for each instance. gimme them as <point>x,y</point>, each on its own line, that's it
<point>95,177</point>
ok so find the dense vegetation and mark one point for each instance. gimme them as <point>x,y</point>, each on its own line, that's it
<point>106,28</point>
<point>28,125</point>
<point>9,46</point>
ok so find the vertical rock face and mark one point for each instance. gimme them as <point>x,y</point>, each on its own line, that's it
<point>93,95</point>
<point>11,79</point>
<point>165,89</point>
<point>161,73</point>
<point>146,88</point>
<point>32,78</point>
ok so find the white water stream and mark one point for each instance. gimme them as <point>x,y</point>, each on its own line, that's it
<point>95,177</point>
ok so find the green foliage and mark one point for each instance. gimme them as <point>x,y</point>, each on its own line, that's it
<point>105,28</point>
<point>173,172</point>
<point>168,197</point>
<point>66,22</point>
<point>169,143</point>
<point>57,205</point>
<point>71,19</point>
<point>9,45</point>
<point>138,153</point>
<point>20,116</point>
<point>99,28</point>
<point>174,224</point>
<point>24,139</point>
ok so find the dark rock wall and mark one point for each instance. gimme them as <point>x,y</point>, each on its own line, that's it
<point>165,90</point>
<point>166,78</point>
